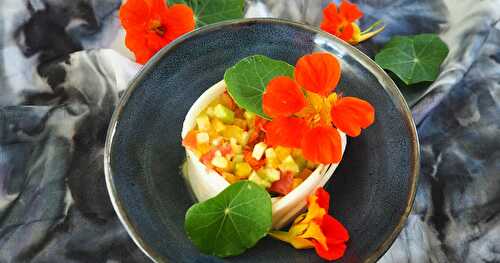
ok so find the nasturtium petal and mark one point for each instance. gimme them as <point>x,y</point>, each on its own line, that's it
<point>247,80</point>
<point>231,222</point>
<point>413,59</point>
<point>318,73</point>
<point>283,97</point>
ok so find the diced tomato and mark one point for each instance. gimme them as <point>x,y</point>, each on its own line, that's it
<point>207,157</point>
<point>255,164</point>
<point>190,140</point>
<point>225,149</point>
<point>284,185</point>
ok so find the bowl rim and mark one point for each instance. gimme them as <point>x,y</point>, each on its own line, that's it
<point>386,82</point>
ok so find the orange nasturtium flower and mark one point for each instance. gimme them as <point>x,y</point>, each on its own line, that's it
<point>305,111</point>
<point>341,22</point>
<point>151,25</point>
<point>317,229</point>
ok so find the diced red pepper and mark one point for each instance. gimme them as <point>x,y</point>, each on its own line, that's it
<point>190,140</point>
<point>206,159</point>
<point>254,163</point>
<point>284,185</point>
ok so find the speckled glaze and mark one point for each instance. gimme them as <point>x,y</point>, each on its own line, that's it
<point>372,190</point>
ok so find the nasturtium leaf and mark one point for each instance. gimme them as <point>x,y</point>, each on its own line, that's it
<point>247,80</point>
<point>212,11</point>
<point>232,221</point>
<point>413,59</point>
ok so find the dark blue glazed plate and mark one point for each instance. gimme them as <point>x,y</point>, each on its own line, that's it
<point>372,190</point>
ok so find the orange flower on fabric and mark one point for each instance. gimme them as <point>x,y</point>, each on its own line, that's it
<point>151,25</point>
<point>341,22</point>
<point>317,229</point>
<point>305,110</point>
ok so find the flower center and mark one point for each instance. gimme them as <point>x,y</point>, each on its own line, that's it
<point>157,27</point>
<point>318,111</point>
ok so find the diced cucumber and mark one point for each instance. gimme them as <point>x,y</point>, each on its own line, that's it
<point>258,150</point>
<point>289,164</point>
<point>254,177</point>
<point>224,114</point>
<point>219,161</point>
<point>203,123</point>
<point>269,174</point>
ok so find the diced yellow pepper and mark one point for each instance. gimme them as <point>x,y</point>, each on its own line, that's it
<point>243,170</point>
<point>218,125</point>
<point>282,152</point>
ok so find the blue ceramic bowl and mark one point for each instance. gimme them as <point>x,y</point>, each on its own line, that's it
<point>372,190</point>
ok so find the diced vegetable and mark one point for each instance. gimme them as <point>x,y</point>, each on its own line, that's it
<point>241,123</point>
<point>282,152</point>
<point>227,101</point>
<point>249,116</point>
<point>210,112</point>
<point>288,164</point>
<point>284,185</point>
<point>269,174</point>
<point>258,150</point>
<point>224,114</point>
<point>203,123</point>
<point>271,158</point>
<point>233,131</point>
<point>202,137</point>
<point>219,161</point>
<point>254,177</point>
<point>190,140</point>
<point>239,158</point>
<point>218,125</point>
<point>256,164</point>
<point>242,170</point>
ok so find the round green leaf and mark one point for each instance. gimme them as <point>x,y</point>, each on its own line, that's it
<point>247,80</point>
<point>231,222</point>
<point>413,59</point>
<point>212,11</point>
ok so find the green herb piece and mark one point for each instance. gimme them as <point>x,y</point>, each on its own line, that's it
<point>413,59</point>
<point>212,11</point>
<point>247,80</point>
<point>231,222</point>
